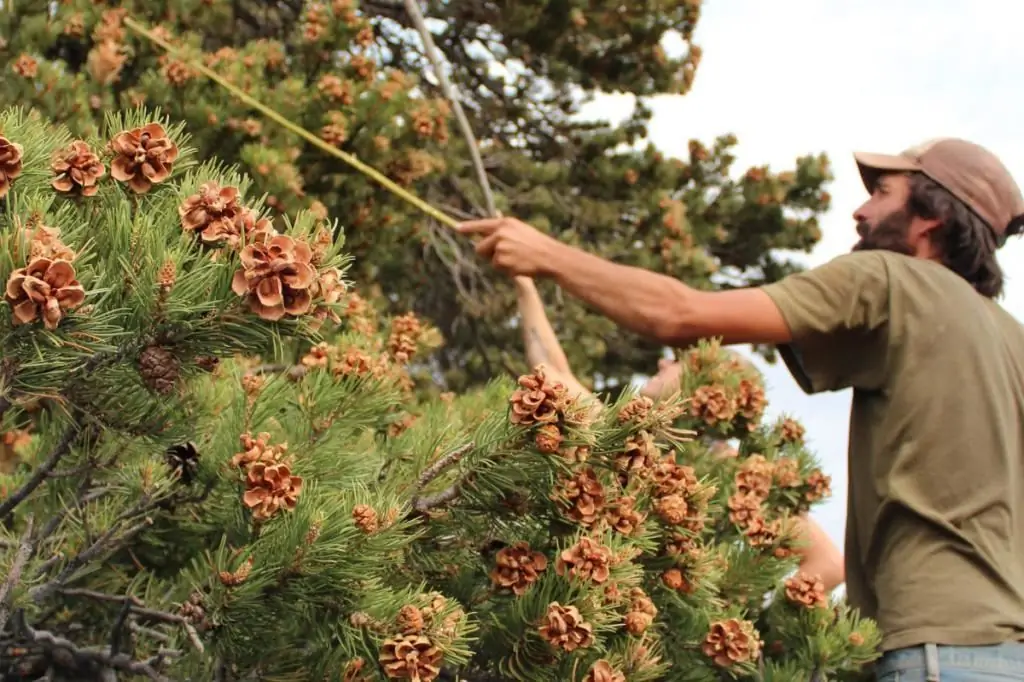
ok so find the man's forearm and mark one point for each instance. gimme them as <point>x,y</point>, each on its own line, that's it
<point>542,345</point>
<point>644,302</point>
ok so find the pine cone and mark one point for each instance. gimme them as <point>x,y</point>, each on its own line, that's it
<point>410,657</point>
<point>786,473</point>
<point>636,410</point>
<point>518,567</point>
<point>144,157</point>
<point>732,641</point>
<point>269,487</point>
<point>638,454</point>
<point>159,369</point>
<point>548,439</point>
<point>537,401</point>
<point>410,620</point>
<point>404,338</point>
<point>365,518</point>
<point>45,242</point>
<point>623,516</point>
<point>586,560</point>
<point>713,405</point>
<point>585,497</point>
<point>46,289</point>
<point>671,478</point>
<point>77,170</point>
<point>212,212</point>
<point>792,431</point>
<point>602,671</point>
<point>743,508</point>
<point>672,509</point>
<point>10,164</point>
<point>818,486</point>
<point>276,277</point>
<point>183,459</point>
<point>750,402</point>
<point>806,590</point>
<point>563,627</point>
<point>754,478</point>
<point>353,670</point>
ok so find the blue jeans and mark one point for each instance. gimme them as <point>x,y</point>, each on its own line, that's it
<point>931,663</point>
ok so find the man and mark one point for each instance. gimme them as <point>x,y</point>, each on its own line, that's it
<point>818,554</point>
<point>935,523</point>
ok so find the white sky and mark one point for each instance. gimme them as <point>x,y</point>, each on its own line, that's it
<point>803,76</point>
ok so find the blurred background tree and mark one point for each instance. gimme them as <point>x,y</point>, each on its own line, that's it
<point>354,72</point>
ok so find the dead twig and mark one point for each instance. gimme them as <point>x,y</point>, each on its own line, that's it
<point>14,576</point>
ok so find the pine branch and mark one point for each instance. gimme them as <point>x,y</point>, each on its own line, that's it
<point>66,654</point>
<point>41,472</point>
<point>424,503</point>
<point>139,610</point>
<point>14,576</point>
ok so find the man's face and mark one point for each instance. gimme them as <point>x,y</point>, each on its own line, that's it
<point>665,382</point>
<point>883,221</point>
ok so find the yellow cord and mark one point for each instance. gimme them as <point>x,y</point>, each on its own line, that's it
<point>313,139</point>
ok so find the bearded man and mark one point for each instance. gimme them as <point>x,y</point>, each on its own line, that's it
<point>934,547</point>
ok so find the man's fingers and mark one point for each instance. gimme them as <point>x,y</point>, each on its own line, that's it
<point>484,226</point>
<point>485,247</point>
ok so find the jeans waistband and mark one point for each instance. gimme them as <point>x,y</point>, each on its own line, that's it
<point>1008,656</point>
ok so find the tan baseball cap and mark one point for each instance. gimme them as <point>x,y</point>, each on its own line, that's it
<point>971,173</point>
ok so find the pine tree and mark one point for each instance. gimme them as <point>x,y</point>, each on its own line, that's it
<point>217,465</point>
<point>354,73</point>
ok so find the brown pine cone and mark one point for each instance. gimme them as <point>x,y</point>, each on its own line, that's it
<point>671,478</point>
<point>365,518</point>
<point>637,623</point>
<point>602,671</point>
<point>732,641</point>
<point>159,368</point>
<point>585,497</point>
<point>639,454</point>
<point>211,212</point>
<point>713,405</point>
<point>548,439</point>
<point>792,431</point>
<point>410,657</point>
<point>10,163</point>
<point>45,289</point>
<point>537,401</point>
<point>405,335</point>
<point>410,620</point>
<point>743,508</point>
<point>623,516</point>
<point>144,157</point>
<point>563,627</point>
<point>818,486</point>
<point>270,487</point>
<point>276,278</point>
<point>586,560</point>
<point>750,402</point>
<point>787,473</point>
<point>77,170</point>
<point>518,567</point>
<point>636,410</point>
<point>806,590</point>
<point>672,509</point>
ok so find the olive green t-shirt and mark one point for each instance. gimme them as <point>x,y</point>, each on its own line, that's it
<point>935,514</point>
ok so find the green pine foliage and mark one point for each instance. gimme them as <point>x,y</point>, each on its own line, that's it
<point>354,73</point>
<point>218,464</point>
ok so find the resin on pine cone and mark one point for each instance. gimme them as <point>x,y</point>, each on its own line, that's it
<point>77,169</point>
<point>143,157</point>
<point>159,368</point>
<point>410,657</point>
<point>10,164</point>
<point>518,567</point>
<point>46,289</point>
<point>276,278</point>
<point>563,627</point>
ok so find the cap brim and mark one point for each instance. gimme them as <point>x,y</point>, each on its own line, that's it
<point>871,166</point>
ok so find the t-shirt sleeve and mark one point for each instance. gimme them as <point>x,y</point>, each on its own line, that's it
<point>838,315</point>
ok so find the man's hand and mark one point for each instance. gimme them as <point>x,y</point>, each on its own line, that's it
<point>512,246</point>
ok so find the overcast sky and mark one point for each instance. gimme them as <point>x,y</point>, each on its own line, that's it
<point>803,76</point>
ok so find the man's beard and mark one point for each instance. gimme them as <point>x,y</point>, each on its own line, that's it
<point>891,234</point>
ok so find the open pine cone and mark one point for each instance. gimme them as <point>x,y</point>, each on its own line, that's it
<point>563,627</point>
<point>410,657</point>
<point>143,157</point>
<point>269,488</point>
<point>732,641</point>
<point>211,212</point>
<point>518,567</point>
<point>806,590</point>
<point>77,170</point>
<point>45,289</point>
<point>10,163</point>
<point>537,401</point>
<point>623,516</point>
<point>276,277</point>
<point>585,497</point>
<point>586,560</point>
<point>602,671</point>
